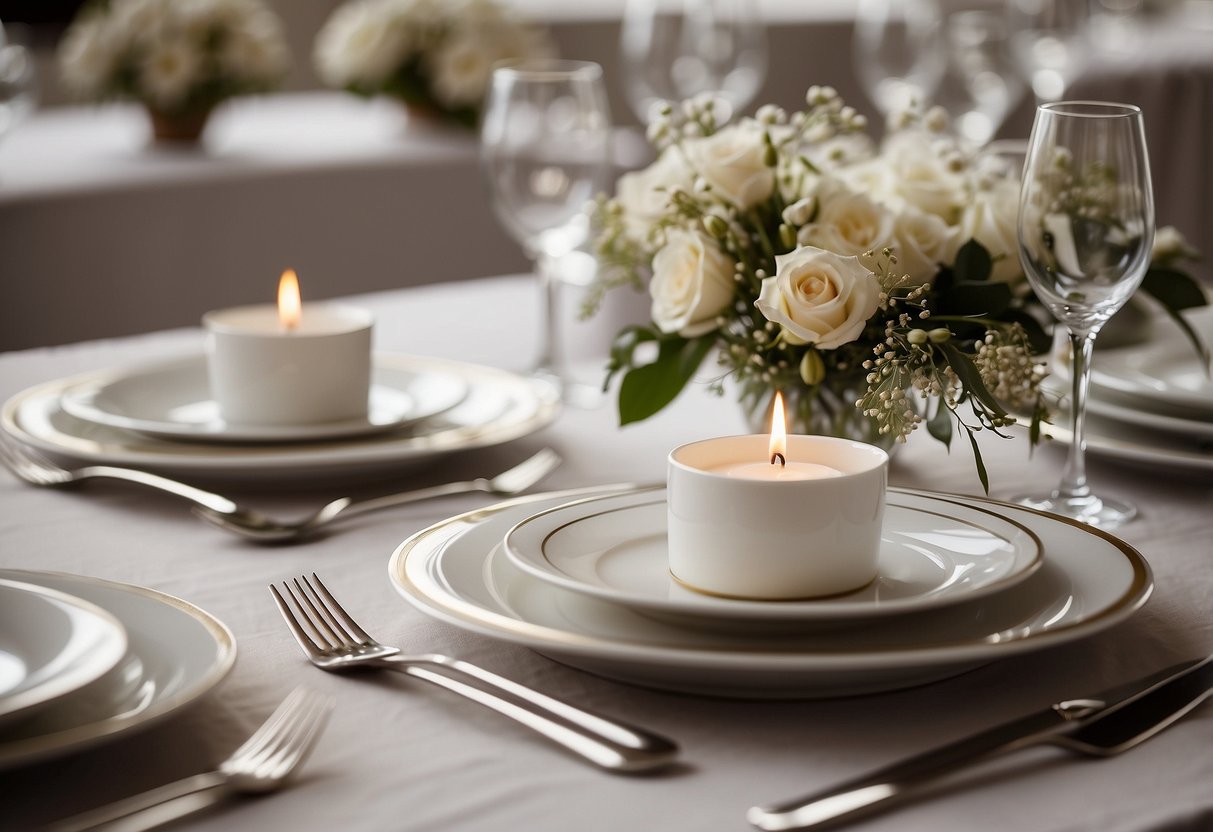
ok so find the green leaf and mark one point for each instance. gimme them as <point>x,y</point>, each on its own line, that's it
<point>1173,289</point>
<point>1202,349</point>
<point>977,460</point>
<point>969,376</point>
<point>973,297</point>
<point>646,390</point>
<point>973,262</point>
<point>940,425</point>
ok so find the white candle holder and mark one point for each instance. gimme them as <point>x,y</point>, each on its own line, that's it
<point>778,537</point>
<point>264,374</point>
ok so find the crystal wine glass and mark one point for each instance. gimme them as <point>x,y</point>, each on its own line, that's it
<point>678,49</point>
<point>982,84</point>
<point>545,152</point>
<point>1086,228</point>
<point>16,78</point>
<point>1049,40</point>
<point>897,53</point>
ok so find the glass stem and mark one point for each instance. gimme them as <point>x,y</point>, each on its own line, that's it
<point>1074,478</point>
<point>549,301</point>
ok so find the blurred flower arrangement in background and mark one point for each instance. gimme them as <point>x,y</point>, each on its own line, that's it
<point>180,58</point>
<point>435,55</point>
<point>879,288</point>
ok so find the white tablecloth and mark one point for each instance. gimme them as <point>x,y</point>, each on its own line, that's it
<point>403,755</point>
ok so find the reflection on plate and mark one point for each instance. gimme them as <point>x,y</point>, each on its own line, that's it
<point>456,572</point>
<point>176,652</point>
<point>51,644</point>
<point>500,407</point>
<point>614,548</point>
<point>172,399</point>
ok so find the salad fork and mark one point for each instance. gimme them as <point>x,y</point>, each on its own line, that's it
<point>262,764</point>
<point>333,641</point>
<point>35,469</point>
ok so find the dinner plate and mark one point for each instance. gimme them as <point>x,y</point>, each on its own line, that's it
<point>175,654</point>
<point>500,407</point>
<point>173,399</point>
<point>1130,444</point>
<point>455,571</point>
<point>51,644</point>
<point>1130,411</point>
<point>614,547</point>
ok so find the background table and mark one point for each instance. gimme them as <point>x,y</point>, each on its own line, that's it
<point>403,755</point>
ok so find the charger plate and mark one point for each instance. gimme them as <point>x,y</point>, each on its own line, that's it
<point>615,548</point>
<point>457,572</point>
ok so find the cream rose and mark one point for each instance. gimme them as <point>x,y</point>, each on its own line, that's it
<point>990,218</point>
<point>923,242</point>
<point>644,195</point>
<point>731,161</point>
<point>917,176</point>
<point>849,224</point>
<point>819,297</point>
<point>692,284</point>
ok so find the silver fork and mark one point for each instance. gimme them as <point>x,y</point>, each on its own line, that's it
<point>36,469</point>
<point>333,641</point>
<point>262,764</point>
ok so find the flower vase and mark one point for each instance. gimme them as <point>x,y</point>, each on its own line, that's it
<point>183,127</point>
<point>825,410</point>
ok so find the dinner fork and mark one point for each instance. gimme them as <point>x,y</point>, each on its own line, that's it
<point>263,763</point>
<point>36,469</point>
<point>333,641</point>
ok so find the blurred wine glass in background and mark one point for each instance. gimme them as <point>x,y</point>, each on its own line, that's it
<point>982,85</point>
<point>17,97</point>
<point>1049,39</point>
<point>677,49</point>
<point>897,52</point>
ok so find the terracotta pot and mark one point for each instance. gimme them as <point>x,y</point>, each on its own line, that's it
<point>178,127</point>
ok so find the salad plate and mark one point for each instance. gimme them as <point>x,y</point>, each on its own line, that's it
<point>175,653</point>
<point>457,572</point>
<point>614,548</point>
<point>173,399</point>
<point>51,644</point>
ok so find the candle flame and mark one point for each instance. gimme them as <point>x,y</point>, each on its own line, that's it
<point>290,307</point>
<point>779,432</point>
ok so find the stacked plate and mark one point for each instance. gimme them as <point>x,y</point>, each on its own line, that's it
<point>83,660</point>
<point>1152,402</point>
<point>582,577</point>
<point>161,416</point>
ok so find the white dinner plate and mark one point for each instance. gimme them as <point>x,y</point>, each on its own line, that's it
<point>1130,444</point>
<point>51,644</point>
<point>1130,411</point>
<point>500,407</point>
<point>455,571</point>
<point>175,653</point>
<point>173,399</point>
<point>614,547</point>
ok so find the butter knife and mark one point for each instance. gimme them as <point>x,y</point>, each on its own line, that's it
<point>1104,724</point>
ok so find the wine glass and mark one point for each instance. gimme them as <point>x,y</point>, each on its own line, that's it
<point>982,84</point>
<point>1086,227</point>
<point>678,49</point>
<point>545,152</point>
<point>16,78</point>
<point>897,53</point>
<point>1049,41</point>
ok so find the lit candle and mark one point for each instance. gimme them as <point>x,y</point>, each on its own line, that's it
<point>286,365</point>
<point>779,468</point>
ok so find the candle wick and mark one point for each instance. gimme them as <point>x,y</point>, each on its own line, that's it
<point>779,456</point>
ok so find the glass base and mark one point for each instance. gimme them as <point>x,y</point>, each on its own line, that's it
<point>1094,511</point>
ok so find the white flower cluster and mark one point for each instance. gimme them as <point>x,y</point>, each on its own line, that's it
<point>447,46</point>
<point>173,54</point>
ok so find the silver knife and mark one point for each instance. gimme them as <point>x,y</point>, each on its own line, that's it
<point>1104,724</point>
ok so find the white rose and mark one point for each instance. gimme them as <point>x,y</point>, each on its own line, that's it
<point>731,161</point>
<point>692,284</point>
<point>991,218</point>
<point>848,224</point>
<point>168,72</point>
<point>461,69</point>
<point>819,297</point>
<point>88,56</point>
<point>920,176</point>
<point>923,241</point>
<point>255,51</point>
<point>361,43</point>
<point>645,194</point>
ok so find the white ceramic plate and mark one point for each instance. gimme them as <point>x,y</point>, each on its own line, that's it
<point>173,399</point>
<point>176,652</point>
<point>51,644</point>
<point>1164,373</point>
<point>1130,444</point>
<point>456,572</point>
<point>500,407</point>
<point>1129,411</point>
<point>614,548</point>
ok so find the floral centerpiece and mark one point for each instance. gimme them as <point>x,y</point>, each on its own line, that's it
<point>435,55</point>
<point>878,289</point>
<point>180,59</point>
